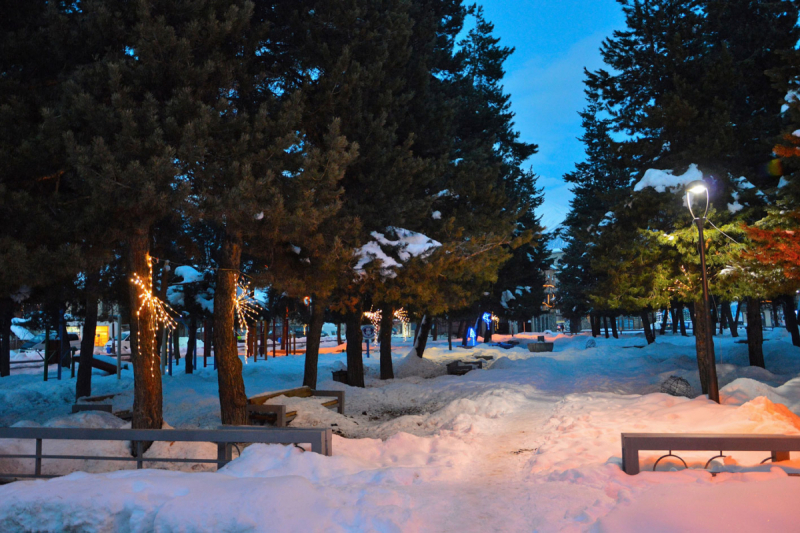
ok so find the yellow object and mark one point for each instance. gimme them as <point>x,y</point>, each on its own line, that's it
<point>101,336</point>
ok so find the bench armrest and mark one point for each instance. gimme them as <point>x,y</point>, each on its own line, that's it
<point>279,410</point>
<point>339,394</point>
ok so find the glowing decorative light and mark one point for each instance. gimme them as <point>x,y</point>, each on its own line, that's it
<point>159,314</point>
<point>307,301</point>
<point>244,307</point>
<point>487,318</point>
<point>472,337</point>
<point>375,319</point>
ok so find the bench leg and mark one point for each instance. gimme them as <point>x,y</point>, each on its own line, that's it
<point>630,460</point>
<point>322,443</point>
<point>780,456</point>
<point>224,454</point>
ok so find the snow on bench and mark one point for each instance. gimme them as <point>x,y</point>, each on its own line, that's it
<point>260,411</point>
<point>224,438</point>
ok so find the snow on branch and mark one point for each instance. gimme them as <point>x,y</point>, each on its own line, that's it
<point>661,180</point>
<point>394,248</point>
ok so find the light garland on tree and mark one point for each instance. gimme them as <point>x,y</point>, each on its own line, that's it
<point>375,318</point>
<point>159,313</point>
<point>245,308</point>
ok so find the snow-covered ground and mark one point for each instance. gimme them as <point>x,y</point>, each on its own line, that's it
<point>532,442</point>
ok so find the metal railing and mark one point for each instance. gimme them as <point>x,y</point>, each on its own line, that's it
<point>225,439</point>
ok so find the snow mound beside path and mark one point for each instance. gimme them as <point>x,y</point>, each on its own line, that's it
<point>413,366</point>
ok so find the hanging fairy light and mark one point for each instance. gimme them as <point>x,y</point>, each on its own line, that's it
<point>375,319</point>
<point>245,307</point>
<point>160,313</point>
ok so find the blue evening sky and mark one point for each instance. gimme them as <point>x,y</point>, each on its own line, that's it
<point>554,41</point>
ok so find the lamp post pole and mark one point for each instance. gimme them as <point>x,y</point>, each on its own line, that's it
<point>713,386</point>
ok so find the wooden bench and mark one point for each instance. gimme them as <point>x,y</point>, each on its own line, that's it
<point>260,412</point>
<point>459,368</point>
<point>779,446</point>
<point>225,438</point>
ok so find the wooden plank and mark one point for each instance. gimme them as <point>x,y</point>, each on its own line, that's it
<point>300,392</point>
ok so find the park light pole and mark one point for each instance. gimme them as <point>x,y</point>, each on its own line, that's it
<point>699,188</point>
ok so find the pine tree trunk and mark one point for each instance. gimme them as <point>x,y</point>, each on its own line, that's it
<point>208,332</point>
<point>232,397</point>
<point>435,329</point>
<point>355,361</point>
<point>700,341</point>
<point>712,315</point>
<point>593,324</point>
<point>385,334</point>
<point>422,339</point>
<point>732,323</point>
<point>83,384</point>
<point>575,325</point>
<point>176,344</point>
<point>723,318</point>
<point>614,331</point>
<point>692,317</point>
<point>774,312</point>
<point>648,332</point>
<point>755,332</point>
<point>449,333</point>
<point>191,345</point>
<point>682,320</point>
<point>487,333</point>
<point>147,394</point>
<point>791,319</point>
<point>338,334</point>
<point>674,312</point>
<point>6,312</point>
<point>313,341</point>
<point>605,324</point>
<point>664,321</point>
<point>738,313</point>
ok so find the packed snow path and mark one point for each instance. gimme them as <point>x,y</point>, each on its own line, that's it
<point>532,443</point>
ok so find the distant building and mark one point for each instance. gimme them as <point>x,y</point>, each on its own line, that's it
<point>551,318</point>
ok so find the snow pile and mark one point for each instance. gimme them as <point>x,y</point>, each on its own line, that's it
<point>661,180</point>
<point>412,365</point>
<point>532,442</point>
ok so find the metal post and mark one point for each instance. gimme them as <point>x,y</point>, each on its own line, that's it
<point>46,346</point>
<point>367,348</point>
<point>61,329</point>
<point>139,454</point>
<point>206,346</point>
<point>170,349</point>
<point>713,386</point>
<point>119,344</point>
<point>274,340</point>
<point>38,467</point>
<point>163,351</point>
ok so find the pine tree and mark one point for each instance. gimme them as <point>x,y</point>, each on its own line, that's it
<point>599,186</point>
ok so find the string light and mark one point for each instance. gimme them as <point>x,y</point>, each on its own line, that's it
<point>245,307</point>
<point>159,313</point>
<point>375,318</point>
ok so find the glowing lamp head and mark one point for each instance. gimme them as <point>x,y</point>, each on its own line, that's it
<point>697,187</point>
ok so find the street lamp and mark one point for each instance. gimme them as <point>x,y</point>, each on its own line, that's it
<point>699,188</point>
